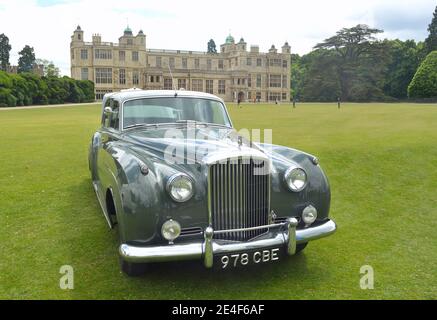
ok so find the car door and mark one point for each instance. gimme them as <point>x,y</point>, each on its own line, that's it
<point>109,134</point>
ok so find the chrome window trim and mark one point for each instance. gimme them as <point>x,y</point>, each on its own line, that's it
<point>166,96</point>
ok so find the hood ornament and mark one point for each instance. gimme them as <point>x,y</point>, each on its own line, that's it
<point>240,141</point>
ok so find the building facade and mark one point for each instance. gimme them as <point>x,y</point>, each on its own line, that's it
<point>233,73</point>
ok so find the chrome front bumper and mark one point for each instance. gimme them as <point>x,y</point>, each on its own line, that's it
<point>285,236</point>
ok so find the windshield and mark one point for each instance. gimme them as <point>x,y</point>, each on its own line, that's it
<point>172,110</point>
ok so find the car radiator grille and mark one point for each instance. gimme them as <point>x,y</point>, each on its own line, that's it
<point>239,198</point>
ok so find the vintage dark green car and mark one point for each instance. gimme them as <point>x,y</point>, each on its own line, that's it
<point>181,183</point>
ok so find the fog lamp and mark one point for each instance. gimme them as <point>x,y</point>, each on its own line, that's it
<point>309,215</point>
<point>171,230</point>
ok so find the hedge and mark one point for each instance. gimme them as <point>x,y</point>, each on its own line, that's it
<point>30,89</point>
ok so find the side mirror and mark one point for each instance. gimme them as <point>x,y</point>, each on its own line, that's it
<point>108,110</point>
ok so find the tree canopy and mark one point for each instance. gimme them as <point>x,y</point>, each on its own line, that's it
<point>26,60</point>
<point>431,40</point>
<point>5,49</point>
<point>211,46</point>
<point>424,83</point>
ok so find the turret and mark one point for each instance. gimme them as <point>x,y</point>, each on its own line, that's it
<point>286,48</point>
<point>273,49</point>
<point>77,35</point>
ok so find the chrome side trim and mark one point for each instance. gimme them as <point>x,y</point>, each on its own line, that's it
<point>209,247</point>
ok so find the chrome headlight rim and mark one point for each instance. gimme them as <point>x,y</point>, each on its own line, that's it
<point>288,173</point>
<point>176,232</point>
<point>174,178</point>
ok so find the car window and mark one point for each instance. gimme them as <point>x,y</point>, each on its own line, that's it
<point>172,109</point>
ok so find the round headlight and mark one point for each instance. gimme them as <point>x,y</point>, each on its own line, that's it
<point>180,187</point>
<point>171,230</point>
<point>296,179</point>
<point>309,215</point>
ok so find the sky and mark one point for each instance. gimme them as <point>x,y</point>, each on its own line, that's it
<point>47,25</point>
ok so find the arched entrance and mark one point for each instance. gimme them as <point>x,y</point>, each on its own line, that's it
<point>240,96</point>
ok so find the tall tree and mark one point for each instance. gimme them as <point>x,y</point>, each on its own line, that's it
<point>5,48</point>
<point>405,58</point>
<point>431,40</point>
<point>351,45</point>
<point>26,59</point>
<point>50,70</point>
<point>211,46</point>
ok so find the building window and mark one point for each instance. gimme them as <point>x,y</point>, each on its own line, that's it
<point>209,86</point>
<point>249,81</point>
<point>284,81</point>
<point>273,96</point>
<point>196,63</point>
<point>222,86</point>
<point>158,62</point>
<point>258,96</point>
<point>259,62</point>
<point>184,63</point>
<point>236,62</point>
<point>84,54</point>
<point>101,93</point>
<point>284,97</point>
<point>130,42</point>
<point>182,83</point>
<point>258,81</point>
<point>136,78</point>
<point>249,61</point>
<point>274,81</point>
<point>135,56</point>
<point>168,84</point>
<point>72,53</point>
<point>284,63</point>
<point>103,54</point>
<point>84,74</point>
<point>122,76</point>
<point>197,85</point>
<point>220,64</point>
<point>79,36</point>
<point>275,62</point>
<point>208,64</point>
<point>249,95</point>
<point>104,75</point>
<point>171,62</point>
<point>122,55</point>
<point>151,79</point>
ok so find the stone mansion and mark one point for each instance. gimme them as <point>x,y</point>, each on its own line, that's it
<point>233,73</point>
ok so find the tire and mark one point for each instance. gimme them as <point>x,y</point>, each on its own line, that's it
<point>301,246</point>
<point>133,269</point>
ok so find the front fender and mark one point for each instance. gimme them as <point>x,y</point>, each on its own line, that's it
<point>286,203</point>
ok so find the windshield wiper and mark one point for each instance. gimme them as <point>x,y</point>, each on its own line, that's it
<point>136,125</point>
<point>196,123</point>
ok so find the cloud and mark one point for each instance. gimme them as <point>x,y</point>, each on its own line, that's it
<point>189,24</point>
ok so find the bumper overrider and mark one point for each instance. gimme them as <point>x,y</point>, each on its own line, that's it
<point>279,235</point>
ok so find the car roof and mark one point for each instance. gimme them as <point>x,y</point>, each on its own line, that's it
<point>130,94</point>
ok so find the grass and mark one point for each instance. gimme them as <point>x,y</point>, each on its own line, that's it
<point>381,160</point>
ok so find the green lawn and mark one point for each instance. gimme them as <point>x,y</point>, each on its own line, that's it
<point>381,160</point>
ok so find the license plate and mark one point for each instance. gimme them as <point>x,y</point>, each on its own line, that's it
<point>242,259</point>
